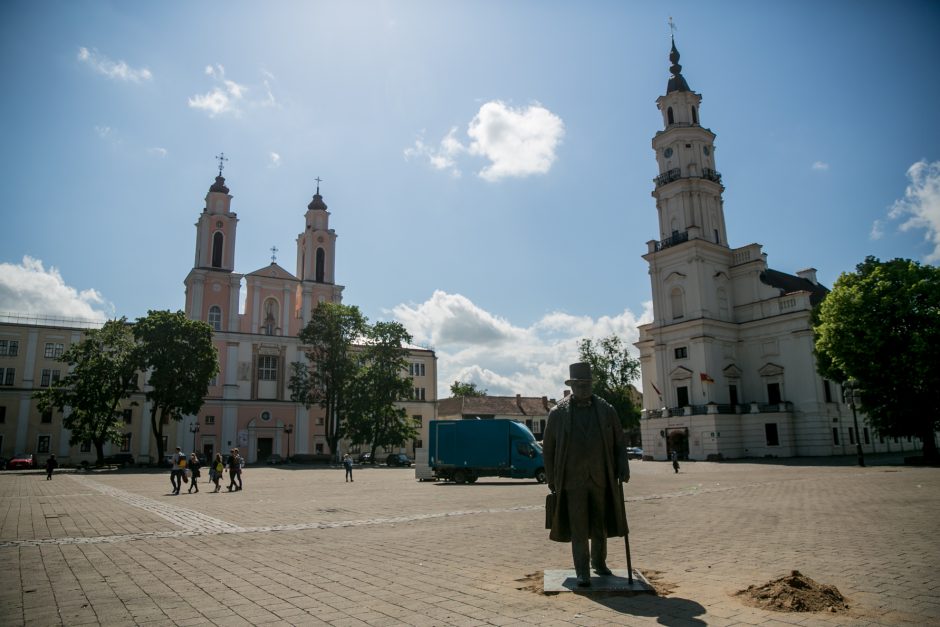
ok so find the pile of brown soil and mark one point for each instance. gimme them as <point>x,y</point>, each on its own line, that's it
<point>794,593</point>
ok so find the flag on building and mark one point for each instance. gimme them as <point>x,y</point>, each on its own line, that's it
<point>705,378</point>
<point>660,394</point>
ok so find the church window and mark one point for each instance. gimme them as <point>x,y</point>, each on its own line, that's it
<point>43,444</point>
<point>866,435</point>
<point>827,390</point>
<point>675,298</point>
<point>269,325</point>
<point>9,348</point>
<point>694,116</point>
<point>717,237</point>
<point>770,430</point>
<point>267,368</point>
<point>682,352</point>
<point>321,257</point>
<point>215,317</point>
<point>851,435</point>
<point>682,396</point>
<point>773,393</point>
<point>733,395</point>
<point>217,240</point>
<point>46,416</point>
<point>416,369</point>
<point>669,116</point>
<point>126,442</point>
<point>53,350</point>
<point>835,436</point>
<point>7,376</point>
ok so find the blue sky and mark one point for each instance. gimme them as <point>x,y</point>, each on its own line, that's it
<point>487,164</point>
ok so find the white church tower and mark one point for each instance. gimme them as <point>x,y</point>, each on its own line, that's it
<point>727,362</point>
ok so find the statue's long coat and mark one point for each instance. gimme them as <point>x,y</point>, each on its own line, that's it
<point>555,449</point>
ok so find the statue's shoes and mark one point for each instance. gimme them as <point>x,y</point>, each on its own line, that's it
<point>603,570</point>
<point>584,582</point>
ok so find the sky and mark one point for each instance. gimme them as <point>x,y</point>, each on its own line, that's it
<point>487,165</point>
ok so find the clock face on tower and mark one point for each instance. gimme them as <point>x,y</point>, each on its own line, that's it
<point>667,152</point>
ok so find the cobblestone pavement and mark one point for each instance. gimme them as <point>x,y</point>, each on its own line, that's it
<point>300,546</point>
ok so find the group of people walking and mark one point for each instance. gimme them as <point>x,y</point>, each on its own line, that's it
<point>189,470</point>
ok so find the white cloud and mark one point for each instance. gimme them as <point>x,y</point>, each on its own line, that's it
<point>223,98</point>
<point>275,160</point>
<point>920,206</point>
<point>156,150</point>
<point>877,230</point>
<point>104,132</point>
<point>477,346</point>
<point>228,96</point>
<point>820,166</point>
<point>29,288</point>
<point>517,142</point>
<point>442,157</point>
<point>118,70</point>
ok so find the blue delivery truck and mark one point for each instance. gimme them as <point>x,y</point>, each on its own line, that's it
<point>464,450</point>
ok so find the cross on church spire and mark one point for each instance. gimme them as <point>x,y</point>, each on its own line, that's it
<point>672,27</point>
<point>273,254</point>
<point>318,179</point>
<point>222,159</point>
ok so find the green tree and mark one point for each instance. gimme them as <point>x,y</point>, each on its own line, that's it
<point>102,374</point>
<point>460,389</point>
<point>880,325</point>
<point>374,417</point>
<point>613,371</point>
<point>181,359</point>
<point>332,366</point>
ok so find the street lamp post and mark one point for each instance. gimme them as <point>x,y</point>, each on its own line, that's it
<point>288,429</point>
<point>194,429</point>
<point>851,396</point>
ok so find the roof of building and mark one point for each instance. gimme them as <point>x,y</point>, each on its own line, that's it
<point>788,283</point>
<point>495,406</point>
<point>272,271</point>
<point>677,81</point>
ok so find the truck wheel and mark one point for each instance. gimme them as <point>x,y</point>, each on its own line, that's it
<point>460,476</point>
<point>540,476</point>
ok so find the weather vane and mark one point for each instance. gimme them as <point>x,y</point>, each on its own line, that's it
<point>273,254</point>
<point>222,159</point>
<point>672,27</point>
<point>318,179</point>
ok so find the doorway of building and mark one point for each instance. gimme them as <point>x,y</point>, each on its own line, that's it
<point>208,451</point>
<point>265,448</point>
<point>677,440</point>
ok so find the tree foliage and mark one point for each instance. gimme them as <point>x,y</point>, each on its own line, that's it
<point>102,374</point>
<point>374,417</point>
<point>880,325</point>
<point>613,371</point>
<point>332,366</point>
<point>460,389</point>
<point>181,359</point>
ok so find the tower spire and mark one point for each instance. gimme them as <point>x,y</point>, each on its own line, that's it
<point>677,81</point>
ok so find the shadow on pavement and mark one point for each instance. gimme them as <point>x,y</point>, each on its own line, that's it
<point>673,611</point>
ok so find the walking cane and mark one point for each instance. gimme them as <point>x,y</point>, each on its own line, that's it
<point>626,535</point>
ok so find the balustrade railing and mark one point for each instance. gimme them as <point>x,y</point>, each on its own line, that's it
<point>672,240</point>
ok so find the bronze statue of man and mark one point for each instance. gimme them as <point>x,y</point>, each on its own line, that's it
<point>585,457</point>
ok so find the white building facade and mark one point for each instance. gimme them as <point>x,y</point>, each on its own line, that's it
<point>727,363</point>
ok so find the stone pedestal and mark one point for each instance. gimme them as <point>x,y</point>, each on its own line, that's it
<point>567,581</point>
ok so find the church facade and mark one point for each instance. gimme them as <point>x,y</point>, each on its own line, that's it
<point>727,363</point>
<point>248,403</point>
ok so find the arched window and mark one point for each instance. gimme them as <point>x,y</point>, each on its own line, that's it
<point>694,116</point>
<point>215,317</point>
<point>321,257</point>
<point>675,299</point>
<point>269,326</point>
<point>669,117</point>
<point>217,241</point>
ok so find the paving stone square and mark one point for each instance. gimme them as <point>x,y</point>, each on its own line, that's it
<point>300,546</point>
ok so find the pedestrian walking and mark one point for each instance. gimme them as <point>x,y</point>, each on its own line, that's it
<point>347,464</point>
<point>215,472</point>
<point>675,461</point>
<point>51,464</point>
<point>194,469</point>
<point>176,470</point>
<point>234,471</point>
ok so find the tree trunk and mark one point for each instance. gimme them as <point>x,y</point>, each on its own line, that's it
<point>157,428</point>
<point>99,450</point>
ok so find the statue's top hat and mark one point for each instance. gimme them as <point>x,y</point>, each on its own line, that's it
<point>580,371</point>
